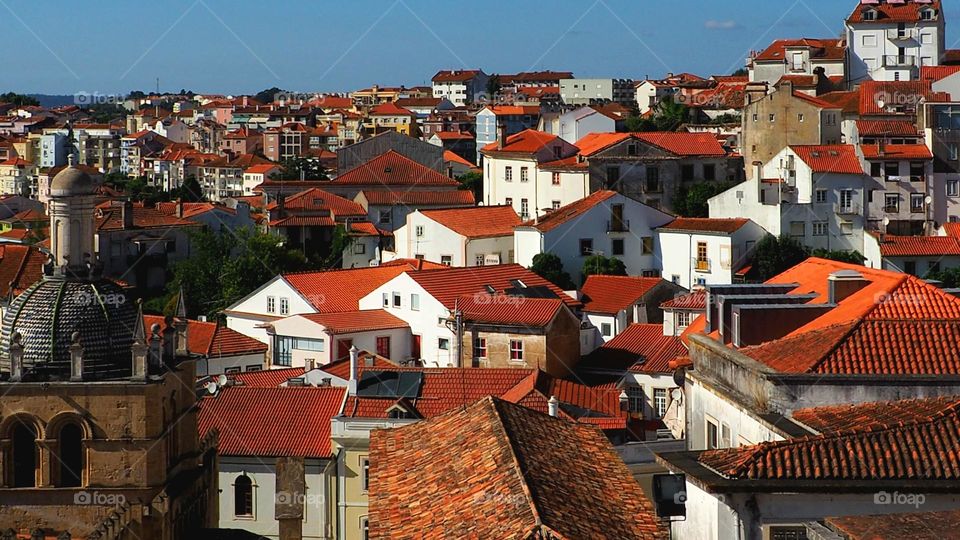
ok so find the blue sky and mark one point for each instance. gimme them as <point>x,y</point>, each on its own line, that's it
<point>242,46</point>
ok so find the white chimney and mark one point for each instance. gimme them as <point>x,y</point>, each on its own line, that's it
<point>354,366</point>
<point>552,405</point>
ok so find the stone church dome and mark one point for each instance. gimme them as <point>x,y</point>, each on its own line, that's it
<point>52,312</point>
<point>72,181</point>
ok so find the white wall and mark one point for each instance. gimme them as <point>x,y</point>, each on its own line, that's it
<point>301,327</point>
<point>217,365</point>
<point>256,304</point>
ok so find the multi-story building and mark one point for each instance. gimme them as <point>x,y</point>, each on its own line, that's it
<point>587,91</point>
<point>902,202</point>
<point>501,121</point>
<point>891,40</point>
<point>16,176</point>
<point>703,251</point>
<point>460,86</point>
<point>391,117</point>
<point>797,57</point>
<point>940,124</point>
<point>473,236</point>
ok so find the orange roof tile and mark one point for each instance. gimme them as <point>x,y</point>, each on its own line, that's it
<point>420,198</point>
<point>835,159</point>
<point>640,348</point>
<point>893,12</point>
<point>896,151</point>
<point>390,109</point>
<point>449,284</point>
<point>696,301</point>
<point>611,294</point>
<point>456,75</point>
<point>502,309</point>
<point>937,73</point>
<point>349,322</point>
<point>826,49</point>
<point>942,524</point>
<point>526,142</point>
<point>891,128</point>
<point>316,200</point>
<point>717,225</point>
<point>20,267</point>
<point>476,221</point>
<point>919,246</point>
<point>266,378</point>
<point>394,169</point>
<point>562,215</point>
<point>341,290</point>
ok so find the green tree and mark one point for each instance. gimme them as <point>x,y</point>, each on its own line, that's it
<point>636,124</point>
<point>472,181</point>
<point>950,277</point>
<point>493,87</point>
<point>550,267</point>
<point>728,118</point>
<point>773,256</point>
<point>20,100</point>
<point>670,115</point>
<point>604,266</point>
<point>297,168</point>
<point>190,190</point>
<point>849,257</point>
<point>740,72</point>
<point>268,95</point>
<point>136,94</point>
<point>341,242</point>
<point>692,201</point>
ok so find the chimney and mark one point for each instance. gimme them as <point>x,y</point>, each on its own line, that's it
<point>309,365</point>
<point>758,170</point>
<point>501,136</point>
<point>553,404</point>
<point>843,284</point>
<point>179,208</point>
<point>76,358</point>
<point>126,214</point>
<point>354,367</point>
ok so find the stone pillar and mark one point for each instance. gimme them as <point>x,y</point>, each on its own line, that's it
<point>16,357</point>
<point>76,358</point>
<point>48,452</point>
<point>291,491</point>
<point>4,458</point>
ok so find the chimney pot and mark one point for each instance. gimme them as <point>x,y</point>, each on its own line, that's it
<point>553,404</point>
<point>354,368</point>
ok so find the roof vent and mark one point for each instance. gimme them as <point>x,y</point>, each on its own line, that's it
<point>490,289</point>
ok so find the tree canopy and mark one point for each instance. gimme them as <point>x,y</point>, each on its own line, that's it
<point>472,181</point>
<point>773,256</point>
<point>268,95</point>
<point>691,201</point>
<point>550,267</point>
<point>297,168</point>
<point>20,100</point>
<point>604,266</point>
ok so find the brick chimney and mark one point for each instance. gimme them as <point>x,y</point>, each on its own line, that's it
<point>843,284</point>
<point>126,214</point>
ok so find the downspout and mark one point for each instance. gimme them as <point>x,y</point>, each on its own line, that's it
<point>341,495</point>
<point>326,507</point>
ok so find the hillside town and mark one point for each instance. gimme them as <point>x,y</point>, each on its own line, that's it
<point>501,305</point>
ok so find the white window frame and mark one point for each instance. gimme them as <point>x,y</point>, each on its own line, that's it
<point>271,304</point>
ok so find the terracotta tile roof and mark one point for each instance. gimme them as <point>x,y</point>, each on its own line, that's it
<point>333,102</point>
<point>365,228</point>
<point>696,300</point>
<point>212,340</point>
<point>457,75</point>
<point>530,474</point>
<point>341,290</point>
<point>304,221</point>
<point>316,200</point>
<point>449,284</point>
<point>515,110</point>
<point>822,103</point>
<point>455,136</point>
<point>640,348</point>
<point>17,162</point>
<point>896,151</point>
<point>20,267</point>
<point>919,246</point>
<point>269,422</point>
<point>822,49</point>
<point>952,229</point>
<point>526,142</point>
<point>684,143</point>
<point>262,168</point>
<point>937,73</point>
<point>906,93</point>
<point>572,211</point>
<point>924,450</point>
<point>451,156</point>
<point>109,218</point>
<point>349,322</point>
<point>718,225</point>
<point>341,367</point>
<point>458,197</point>
<point>394,169</point>
<point>869,416</point>
<point>509,310</point>
<point>390,109</point>
<point>906,12</point>
<point>847,101</point>
<point>892,128</point>
<point>594,142</point>
<point>266,378</point>
<point>612,294</point>
<point>902,525</point>
<point>477,221</point>
<point>835,158</point>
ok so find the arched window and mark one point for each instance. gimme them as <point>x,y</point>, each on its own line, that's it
<point>24,461</point>
<point>243,496</point>
<point>70,446</point>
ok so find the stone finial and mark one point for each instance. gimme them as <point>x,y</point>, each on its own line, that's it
<point>155,344</point>
<point>76,358</point>
<point>169,340</point>
<point>16,356</point>
<point>139,349</point>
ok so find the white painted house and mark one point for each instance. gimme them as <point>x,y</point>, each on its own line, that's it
<point>704,251</point>
<point>318,339</point>
<point>605,222</point>
<point>891,40</point>
<point>817,194</point>
<point>470,236</point>
<point>580,122</point>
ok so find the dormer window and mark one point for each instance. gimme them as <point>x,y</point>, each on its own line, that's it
<point>869,14</point>
<point>927,14</point>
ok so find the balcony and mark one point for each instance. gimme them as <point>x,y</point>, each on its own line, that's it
<point>848,209</point>
<point>899,61</point>
<point>618,226</point>
<point>701,265</point>
<point>892,208</point>
<point>894,178</point>
<point>905,34</point>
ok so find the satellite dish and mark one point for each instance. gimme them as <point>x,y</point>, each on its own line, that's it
<point>677,394</point>
<point>881,104</point>
<point>211,388</point>
<point>222,380</point>
<point>886,221</point>
<point>928,200</point>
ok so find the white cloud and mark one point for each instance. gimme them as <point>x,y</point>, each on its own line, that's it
<point>720,25</point>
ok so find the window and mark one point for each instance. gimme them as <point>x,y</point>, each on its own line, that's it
<point>283,350</point>
<point>419,231</point>
<point>243,496</point>
<point>821,196</point>
<point>443,344</point>
<point>713,434</point>
<point>516,350</point>
<point>586,247</point>
<point>70,455</point>
<point>933,267</point>
<point>876,169</point>
<point>396,300</point>
<point>870,15</point>
<point>616,246</point>
<point>891,202</point>
<point>555,205</point>
<point>953,188</point>
<point>701,251</point>
<point>891,168</point>
<point>635,399</point>
<point>555,179</point>
<point>606,329</point>
<point>284,305</point>
<point>385,216</point>
<point>365,473</point>
<point>271,304</point>
<point>820,228</point>
<point>916,171</point>
<point>954,152</point>
<point>686,172</point>
<point>846,227</point>
<point>365,528</point>
<point>800,117</point>
<point>524,209</point>
<point>479,347</point>
<point>446,260</point>
<point>653,179</point>
<point>772,117</point>
<point>524,174</point>
<point>682,319</point>
<point>916,202</point>
<point>709,171</point>
<point>386,300</point>
<point>660,401</point>
<point>359,248</point>
<point>798,228</point>
<point>508,174</point>
<point>508,201</point>
<point>415,302</point>
<point>613,175</point>
<point>646,243</point>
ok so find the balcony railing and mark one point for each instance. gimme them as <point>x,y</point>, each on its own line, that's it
<point>899,60</point>
<point>849,209</point>
<point>701,265</point>
<point>905,34</point>
<point>618,225</point>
